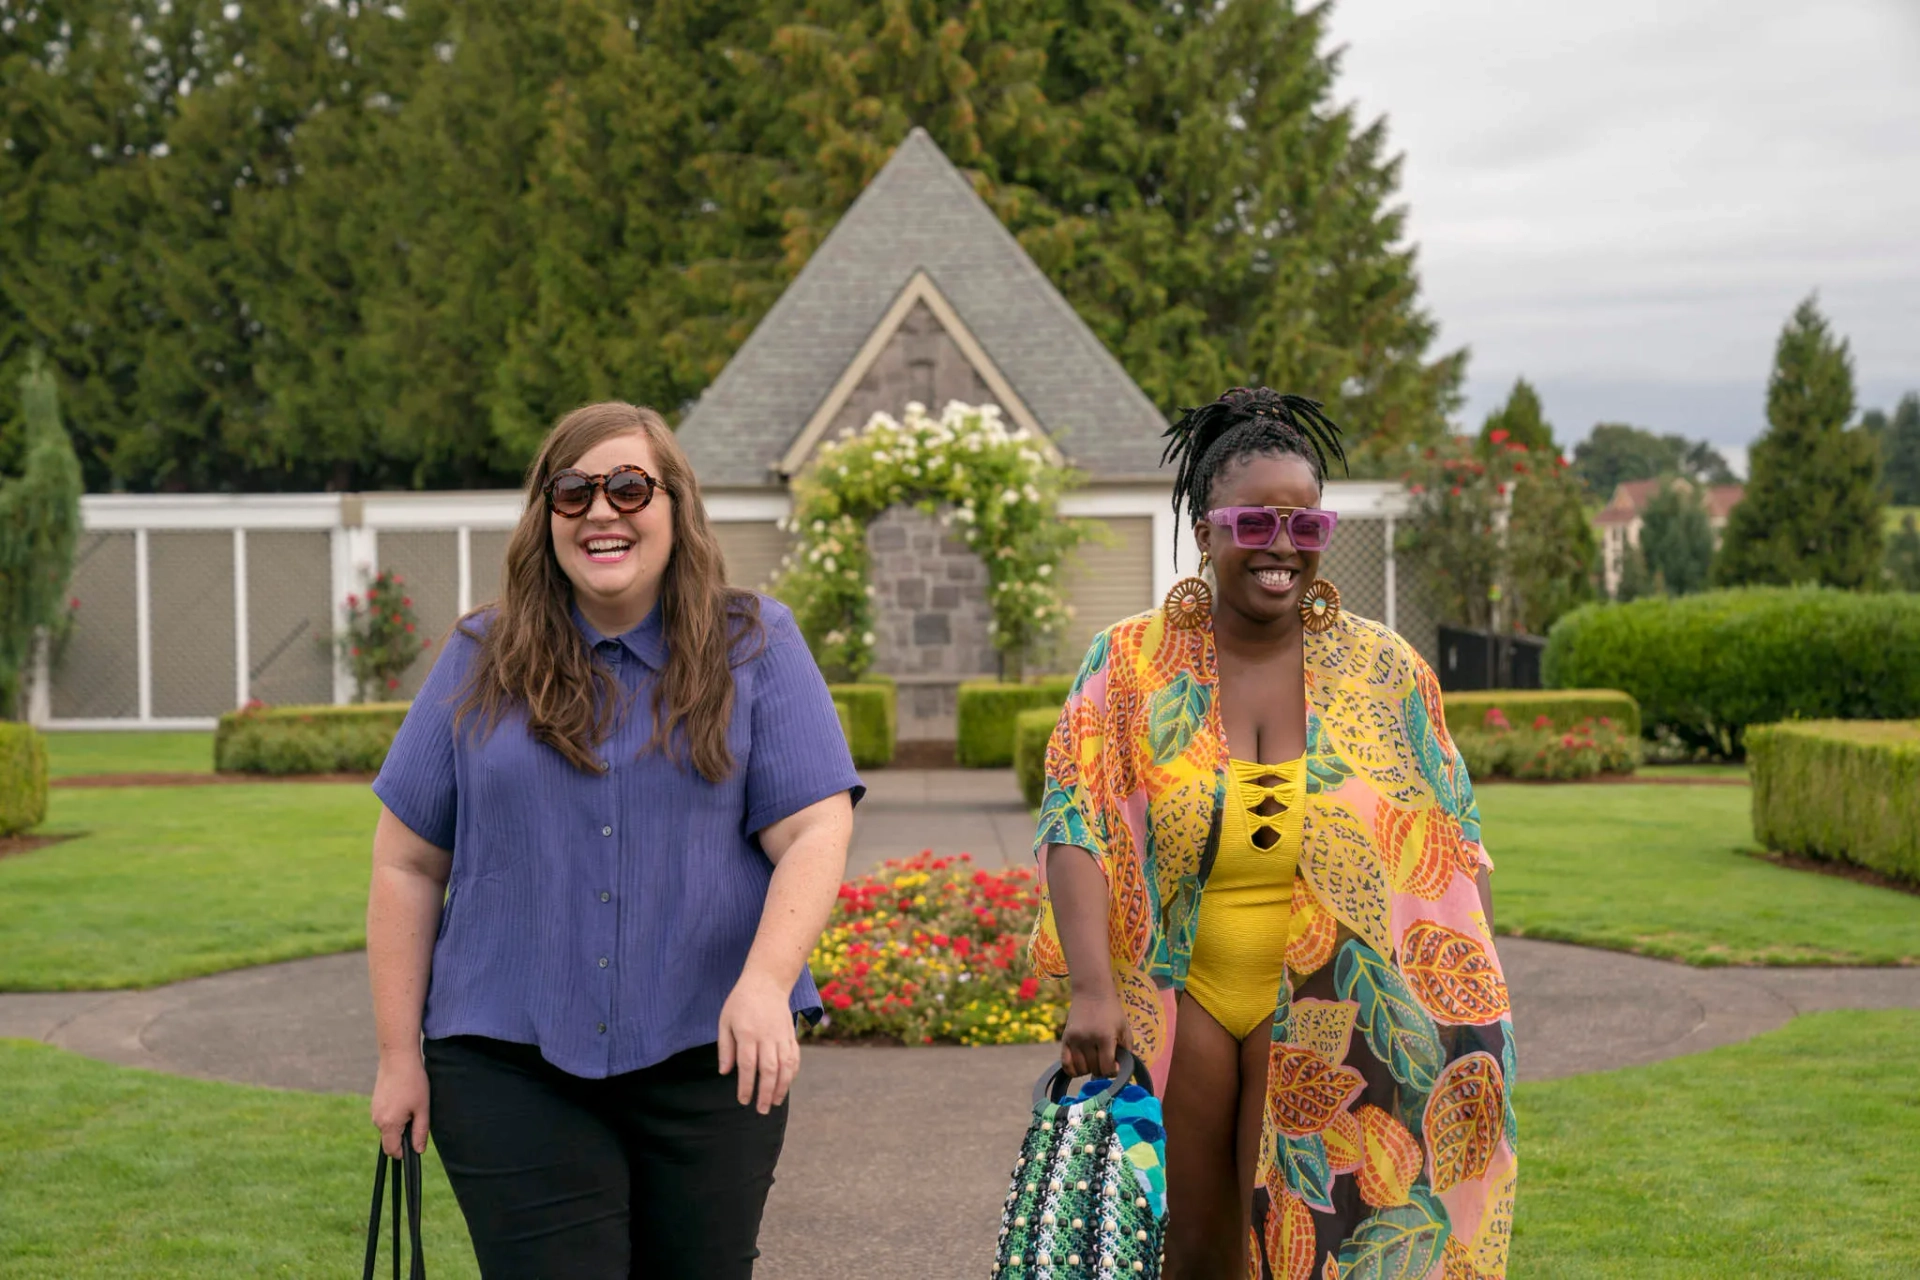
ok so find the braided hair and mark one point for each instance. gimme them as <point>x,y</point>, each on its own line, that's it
<point>1244,422</point>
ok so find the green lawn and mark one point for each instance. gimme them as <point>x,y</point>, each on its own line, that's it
<point>113,1172</point>
<point>72,754</point>
<point>1694,771</point>
<point>1793,1155</point>
<point>1660,870</point>
<point>173,882</point>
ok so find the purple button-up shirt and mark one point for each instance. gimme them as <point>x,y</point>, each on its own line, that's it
<point>606,918</point>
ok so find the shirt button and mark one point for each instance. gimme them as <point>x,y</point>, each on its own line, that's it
<point>603,962</point>
<point>605,896</point>
<point>601,1028</point>
<point>606,831</point>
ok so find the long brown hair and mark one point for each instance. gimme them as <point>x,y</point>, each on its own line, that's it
<point>533,656</point>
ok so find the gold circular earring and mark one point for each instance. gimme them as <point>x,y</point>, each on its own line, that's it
<point>1190,604</point>
<point>1320,606</point>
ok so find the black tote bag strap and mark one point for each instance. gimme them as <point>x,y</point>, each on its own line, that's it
<point>406,1183</point>
<point>1053,1082</point>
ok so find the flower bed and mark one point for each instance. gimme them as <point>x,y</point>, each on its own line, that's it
<point>928,950</point>
<point>1495,749</point>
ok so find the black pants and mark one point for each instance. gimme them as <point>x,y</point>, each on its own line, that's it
<point>659,1173</point>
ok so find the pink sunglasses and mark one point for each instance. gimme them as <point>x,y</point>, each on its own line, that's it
<point>1258,528</point>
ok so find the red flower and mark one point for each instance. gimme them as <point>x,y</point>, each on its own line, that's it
<point>841,1002</point>
<point>353,602</point>
<point>73,602</point>
<point>355,651</point>
<point>1418,488</point>
<point>426,644</point>
<point>393,682</point>
<point>1543,722</point>
<point>1605,723</point>
<point>410,625</point>
<point>1498,435</point>
<point>1029,988</point>
<point>1500,489</point>
<point>1456,491</point>
<point>1567,741</point>
<point>407,601</point>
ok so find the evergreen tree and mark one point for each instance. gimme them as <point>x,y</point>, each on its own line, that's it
<point>1900,452</point>
<point>1676,538</point>
<point>1518,421</point>
<point>1811,511</point>
<point>1903,556</point>
<point>39,524</point>
<point>1636,580</point>
<point>282,246</point>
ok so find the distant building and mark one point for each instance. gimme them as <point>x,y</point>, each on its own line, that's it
<point>1619,521</point>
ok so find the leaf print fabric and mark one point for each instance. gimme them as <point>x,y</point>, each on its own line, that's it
<point>1387,1147</point>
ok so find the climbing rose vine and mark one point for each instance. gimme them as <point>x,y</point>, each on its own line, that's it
<point>994,489</point>
<point>382,637</point>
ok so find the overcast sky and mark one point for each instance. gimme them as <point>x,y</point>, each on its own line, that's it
<point>1624,201</point>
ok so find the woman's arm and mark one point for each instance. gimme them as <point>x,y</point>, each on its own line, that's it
<point>809,855</point>
<point>1096,1021</point>
<point>403,917</point>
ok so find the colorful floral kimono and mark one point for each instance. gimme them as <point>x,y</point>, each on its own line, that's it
<point>1387,1151</point>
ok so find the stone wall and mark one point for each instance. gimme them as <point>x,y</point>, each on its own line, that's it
<point>931,618</point>
<point>920,362</point>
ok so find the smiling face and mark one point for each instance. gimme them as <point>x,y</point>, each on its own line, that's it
<point>1263,587</point>
<point>614,561</point>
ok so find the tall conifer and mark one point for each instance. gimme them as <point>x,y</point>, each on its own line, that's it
<point>1811,511</point>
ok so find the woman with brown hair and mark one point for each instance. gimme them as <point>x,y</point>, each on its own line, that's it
<point>613,826</point>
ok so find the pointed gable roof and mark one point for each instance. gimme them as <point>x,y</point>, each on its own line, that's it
<point>920,215</point>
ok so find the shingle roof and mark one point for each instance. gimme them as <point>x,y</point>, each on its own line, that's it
<point>920,214</point>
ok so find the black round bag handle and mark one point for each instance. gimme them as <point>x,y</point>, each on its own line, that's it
<point>1051,1087</point>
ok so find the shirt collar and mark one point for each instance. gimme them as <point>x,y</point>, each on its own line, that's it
<point>647,642</point>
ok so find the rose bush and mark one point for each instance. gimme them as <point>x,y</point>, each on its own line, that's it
<point>930,949</point>
<point>1497,749</point>
<point>381,639</point>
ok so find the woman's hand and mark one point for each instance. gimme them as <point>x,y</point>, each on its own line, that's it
<point>400,1097</point>
<point>1096,1031</point>
<point>757,1036</point>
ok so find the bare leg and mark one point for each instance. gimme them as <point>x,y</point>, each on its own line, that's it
<point>1253,1105</point>
<point>1206,1234</point>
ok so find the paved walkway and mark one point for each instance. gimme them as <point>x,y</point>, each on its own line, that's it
<point>897,1159</point>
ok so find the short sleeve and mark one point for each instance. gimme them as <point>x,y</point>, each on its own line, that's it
<point>1075,755</point>
<point>798,755</point>
<point>418,781</point>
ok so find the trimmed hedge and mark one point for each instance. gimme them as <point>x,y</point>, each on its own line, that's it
<point>846,721</point>
<point>986,712</point>
<point>1706,666</point>
<point>288,740</point>
<point>1840,790</point>
<point>1031,731</point>
<point>871,720</point>
<point>1564,708</point>
<point>23,778</point>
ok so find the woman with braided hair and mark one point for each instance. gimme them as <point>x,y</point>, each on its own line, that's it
<point>1263,875</point>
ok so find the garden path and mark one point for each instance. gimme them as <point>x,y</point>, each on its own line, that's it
<point>897,1159</point>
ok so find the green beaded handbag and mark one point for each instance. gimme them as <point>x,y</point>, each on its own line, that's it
<point>1089,1194</point>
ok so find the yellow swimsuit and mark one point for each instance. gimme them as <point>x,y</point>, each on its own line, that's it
<point>1240,939</point>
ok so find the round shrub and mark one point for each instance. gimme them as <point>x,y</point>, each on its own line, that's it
<point>23,778</point>
<point>1704,667</point>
